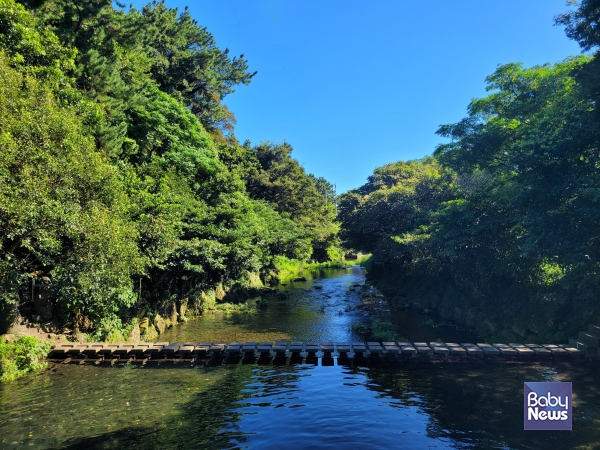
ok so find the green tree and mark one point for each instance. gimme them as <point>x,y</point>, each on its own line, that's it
<point>281,181</point>
<point>63,213</point>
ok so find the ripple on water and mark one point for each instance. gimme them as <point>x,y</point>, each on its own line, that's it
<point>299,406</point>
<point>304,406</point>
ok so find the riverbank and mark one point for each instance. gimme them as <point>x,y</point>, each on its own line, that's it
<point>290,268</point>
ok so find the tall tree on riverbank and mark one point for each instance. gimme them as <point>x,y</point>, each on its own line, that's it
<point>515,234</point>
<point>134,193</point>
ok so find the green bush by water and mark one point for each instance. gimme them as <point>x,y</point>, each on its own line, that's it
<point>20,356</point>
<point>288,268</point>
<point>380,331</point>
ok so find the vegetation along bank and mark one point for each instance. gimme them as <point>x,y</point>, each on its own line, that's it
<point>499,228</point>
<point>127,203</point>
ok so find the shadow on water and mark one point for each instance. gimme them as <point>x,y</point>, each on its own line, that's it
<point>483,408</point>
<point>302,406</point>
<point>177,406</point>
<point>359,407</point>
<point>199,424</point>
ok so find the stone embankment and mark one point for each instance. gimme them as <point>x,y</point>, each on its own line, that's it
<point>588,341</point>
<point>298,351</point>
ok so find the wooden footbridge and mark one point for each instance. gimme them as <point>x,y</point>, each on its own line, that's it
<point>310,351</point>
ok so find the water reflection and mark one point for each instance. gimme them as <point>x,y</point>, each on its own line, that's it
<point>323,308</point>
<point>250,406</point>
<point>298,406</point>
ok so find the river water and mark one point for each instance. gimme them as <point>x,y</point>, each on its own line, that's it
<point>299,406</point>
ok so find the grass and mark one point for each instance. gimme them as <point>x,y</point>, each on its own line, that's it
<point>288,268</point>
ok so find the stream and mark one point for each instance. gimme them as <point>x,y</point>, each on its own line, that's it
<point>180,406</point>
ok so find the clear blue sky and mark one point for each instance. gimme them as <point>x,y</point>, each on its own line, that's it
<point>353,85</point>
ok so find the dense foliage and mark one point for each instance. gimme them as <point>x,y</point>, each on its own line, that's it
<point>20,356</point>
<point>123,191</point>
<point>124,194</point>
<point>499,229</point>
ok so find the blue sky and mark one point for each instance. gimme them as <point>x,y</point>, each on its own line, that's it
<point>353,85</point>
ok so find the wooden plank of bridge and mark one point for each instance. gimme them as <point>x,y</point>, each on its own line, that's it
<point>472,350</point>
<point>249,348</point>
<point>76,349</point>
<point>327,348</point>
<point>139,350</point>
<point>407,349</point>
<point>542,352</point>
<point>280,348</point>
<point>574,352</point>
<point>296,348</point>
<point>489,350</point>
<point>60,350</point>
<point>558,353</point>
<point>439,349</point>
<point>235,347</point>
<point>123,350</point>
<point>201,351</point>
<point>217,348</point>
<point>169,350</point>
<point>311,348</point>
<point>93,350</point>
<point>154,350</point>
<point>524,353</point>
<point>391,349</point>
<point>456,350</point>
<point>506,351</point>
<point>108,350</point>
<point>343,348</point>
<point>423,349</point>
<point>264,348</point>
<point>359,348</point>
<point>375,348</point>
<point>185,350</point>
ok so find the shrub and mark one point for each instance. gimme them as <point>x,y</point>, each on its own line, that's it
<point>23,355</point>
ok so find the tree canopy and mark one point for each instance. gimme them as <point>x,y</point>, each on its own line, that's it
<point>500,228</point>
<point>123,191</point>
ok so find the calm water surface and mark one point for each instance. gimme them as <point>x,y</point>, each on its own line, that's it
<point>178,406</point>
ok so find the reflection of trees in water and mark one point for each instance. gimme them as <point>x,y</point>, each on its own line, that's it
<point>209,420</point>
<point>200,424</point>
<point>484,407</point>
<point>466,407</point>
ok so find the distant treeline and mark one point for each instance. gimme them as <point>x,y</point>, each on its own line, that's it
<point>123,190</point>
<point>500,229</point>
